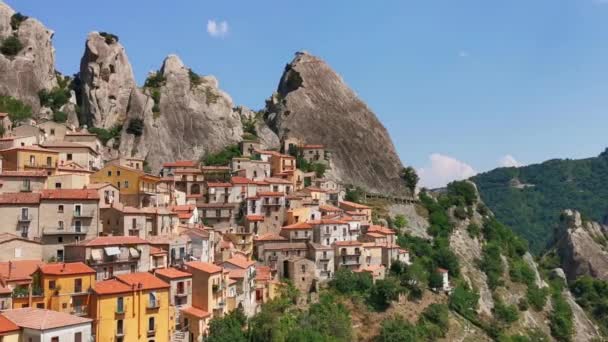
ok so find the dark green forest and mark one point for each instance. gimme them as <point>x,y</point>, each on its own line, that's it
<point>532,209</point>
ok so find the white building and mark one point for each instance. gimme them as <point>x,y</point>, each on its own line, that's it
<point>50,326</point>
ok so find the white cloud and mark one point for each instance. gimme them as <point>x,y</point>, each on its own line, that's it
<point>217,29</point>
<point>465,54</point>
<point>442,170</point>
<point>508,161</point>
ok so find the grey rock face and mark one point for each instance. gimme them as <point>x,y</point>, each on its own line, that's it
<point>314,104</point>
<point>33,68</point>
<point>194,119</point>
<point>583,249</point>
<point>107,81</point>
<point>267,136</point>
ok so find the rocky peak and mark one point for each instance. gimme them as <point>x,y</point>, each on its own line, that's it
<point>107,80</point>
<point>33,68</point>
<point>313,104</point>
<point>583,248</point>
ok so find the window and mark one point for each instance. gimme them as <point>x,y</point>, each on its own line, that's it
<point>119,327</point>
<point>52,284</point>
<point>55,339</point>
<point>78,337</point>
<point>303,268</point>
<point>152,301</point>
<point>52,131</point>
<point>109,173</point>
<point>118,172</point>
<point>17,252</point>
<point>60,255</point>
<point>126,184</point>
<point>60,208</point>
<point>60,225</point>
<point>32,160</point>
<point>151,324</point>
<point>57,185</point>
<point>77,285</point>
<point>49,161</point>
<point>120,305</point>
<point>60,239</point>
<point>69,156</point>
<point>118,185</point>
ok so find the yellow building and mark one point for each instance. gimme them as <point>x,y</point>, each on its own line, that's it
<point>65,287</point>
<point>28,158</point>
<point>132,308</point>
<point>137,188</point>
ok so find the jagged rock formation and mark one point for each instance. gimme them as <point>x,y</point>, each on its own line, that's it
<point>107,81</point>
<point>194,118</point>
<point>314,105</point>
<point>33,68</point>
<point>583,248</point>
<point>265,135</point>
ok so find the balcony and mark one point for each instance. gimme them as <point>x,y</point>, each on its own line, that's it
<point>182,293</point>
<point>73,230</point>
<point>35,165</point>
<point>84,214</point>
<point>121,332</point>
<point>151,331</point>
<point>350,262</point>
<point>153,305</point>
<point>24,218</point>
<point>81,310</point>
<point>25,188</point>
<point>120,310</point>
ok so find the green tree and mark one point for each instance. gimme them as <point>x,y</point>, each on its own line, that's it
<point>222,157</point>
<point>506,313</point>
<point>227,329</point>
<point>464,301</point>
<point>384,292</point>
<point>537,297</point>
<point>400,221</point>
<point>55,98</point>
<point>11,46</point>
<point>17,111</point>
<point>60,117</point>
<point>437,314</point>
<point>397,329</point>
<point>410,178</point>
<point>328,318</point>
<point>347,281</point>
<point>561,321</point>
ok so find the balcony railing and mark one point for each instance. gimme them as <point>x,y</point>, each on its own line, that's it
<point>81,310</point>
<point>24,218</point>
<point>120,332</point>
<point>152,330</point>
<point>73,230</point>
<point>155,304</point>
<point>84,213</point>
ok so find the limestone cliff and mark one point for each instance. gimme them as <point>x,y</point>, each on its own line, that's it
<point>107,81</point>
<point>313,104</point>
<point>33,68</point>
<point>193,117</point>
<point>583,247</point>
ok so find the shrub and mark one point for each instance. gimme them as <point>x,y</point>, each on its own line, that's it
<point>523,304</point>
<point>319,169</point>
<point>384,292</point>
<point>460,213</point>
<point>437,314</point>
<point>222,157</point>
<point>17,19</point>
<point>346,281</point>
<point>400,221</point>
<point>55,98</point>
<point>105,135</point>
<point>537,297</point>
<point>506,313</point>
<point>354,194</point>
<point>155,80</point>
<point>11,46</point>
<point>109,37</point>
<point>473,230</point>
<point>410,178</point>
<point>136,127</point>
<point>491,264</point>
<point>562,326</point>
<point>60,117</point>
<point>17,110</point>
<point>464,301</point>
<point>521,272</point>
<point>195,79</point>
<point>398,329</point>
<point>463,191</point>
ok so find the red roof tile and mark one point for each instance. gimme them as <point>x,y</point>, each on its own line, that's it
<point>172,273</point>
<point>29,148</point>
<point>69,194</point>
<point>7,325</point>
<point>255,218</point>
<point>241,180</point>
<point>66,269</point>
<point>195,312</point>
<point>353,205</point>
<point>240,262</point>
<point>270,194</point>
<point>147,281</point>
<point>329,208</point>
<point>41,319</point>
<point>380,230</point>
<point>204,266</point>
<point>219,184</point>
<point>20,198</point>
<point>157,251</point>
<point>299,225</point>
<point>181,163</point>
<point>111,286</point>
<point>32,173</point>
<point>274,180</point>
<point>19,269</point>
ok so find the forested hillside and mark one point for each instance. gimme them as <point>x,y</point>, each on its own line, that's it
<point>530,199</point>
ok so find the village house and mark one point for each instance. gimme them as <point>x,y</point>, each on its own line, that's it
<point>137,188</point>
<point>329,231</point>
<point>348,254</point>
<point>130,162</point>
<point>249,147</point>
<point>250,168</point>
<point>111,255</point>
<point>16,283</point>
<point>26,130</point>
<point>53,131</point>
<point>13,248</point>
<point>85,138</point>
<point>6,122</point>
<point>201,242</point>
<point>301,272</point>
<point>65,216</point>
<point>243,272</point>
<point>145,222</point>
<point>267,286</point>
<point>21,214</point>
<point>29,158</point>
<point>187,214</point>
<point>47,325</point>
<point>177,246</point>
<point>108,194</point>
<point>11,141</point>
<point>353,208</point>
<point>9,331</point>
<point>212,173</point>
<point>180,290</point>
<point>323,257</point>
<point>219,215</point>
<point>159,258</point>
<point>64,180</point>
<point>80,154</point>
<point>274,254</point>
<point>132,307</point>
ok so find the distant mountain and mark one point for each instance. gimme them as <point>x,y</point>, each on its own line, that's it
<point>530,199</point>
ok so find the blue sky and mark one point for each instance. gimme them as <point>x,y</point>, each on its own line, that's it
<point>459,84</point>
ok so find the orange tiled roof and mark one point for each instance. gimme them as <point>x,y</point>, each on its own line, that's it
<point>381,230</point>
<point>329,208</point>
<point>375,235</point>
<point>240,262</point>
<point>299,225</point>
<point>41,319</point>
<point>241,180</point>
<point>144,279</point>
<point>255,218</point>
<point>237,273</point>
<point>32,173</point>
<point>263,273</point>
<point>7,325</point>
<point>20,198</point>
<point>348,243</point>
<point>275,180</point>
<point>219,184</point>
<point>66,269</point>
<point>314,189</point>
<point>270,194</point>
<point>195,312</point>
<point>69,194</point>
<point>172,273</point>
<point>204,266</point>
<point>270,237</point>
<point>19,269</point>
<point>111,286</point>
<point>157,251</point>
<point>183,207</point>
<point>327,221</point>
<point>29,148</point>
<point>181,163</point>
<point>354,205</point>
<point>5,237</point>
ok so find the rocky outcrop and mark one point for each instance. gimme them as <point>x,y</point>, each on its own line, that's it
<point>266,136</point>
<point>33,68</point>
<point>107,81</point>
<point>314,105</point>
<point>194,117</point>
<point>583,247</point>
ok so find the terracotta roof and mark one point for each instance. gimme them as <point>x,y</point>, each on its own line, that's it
<point>240,262</point>
<point>329,208</point>
<point>274,180</point>
<point>147,281</point>
<point>241,180</point>
<point>270,237</point>
<point>262,273</point>
<point>157,251</point>
<point>172,273</point>
<point>354,205</point>
<point>442,270</point>
<point>181,163</point>
<point>7,326</point>
<point>237,273</point>
<point>255,218</point>
<point>195,312</point>
<point>66,269</point>
<point>215,168</point>
<point>29,148</point>
<point>183,207</point>
<point>348,243</point>
<point>314,189</point>
<point>20,198</point>
<point>73,166</point>
<point>110,241</point>
<point>32,173</point>
<point>204,266</point>
<point>299,225</point>
<point>375,235</point>
<point>41,319</point>
<point>312,146</point>
<point>6,237</point>
<point>215,205</point>
<point>188,170</point>
<point>270,194</point>
<point>219,184</point>
<point>69,194</point>
<point>354,213</point>
<point>111,286</point>
<point>184,216</point>
<point>327,221</point>
<point>96,186</point>
<point>284,246</point>
<point>19,269</point>
<point>380,230</point>
<point>65,144</point>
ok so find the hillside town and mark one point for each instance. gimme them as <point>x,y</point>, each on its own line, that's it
<point>108,251</point>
